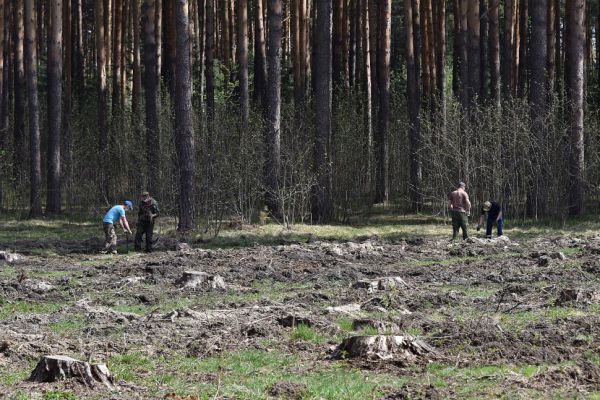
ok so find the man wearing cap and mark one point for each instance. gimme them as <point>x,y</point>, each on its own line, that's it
<point>114,215</point>
<point>460,209</point>
<point>494,217</point>
<point>146,214</point>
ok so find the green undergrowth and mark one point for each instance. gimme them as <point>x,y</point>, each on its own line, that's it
<point>249,375</point>
<point>10,309</point>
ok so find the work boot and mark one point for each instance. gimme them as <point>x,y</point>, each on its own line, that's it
<point>113,252</point>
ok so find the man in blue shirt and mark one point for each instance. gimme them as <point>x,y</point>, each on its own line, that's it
<point>114,215</point>
<point>494,217</point>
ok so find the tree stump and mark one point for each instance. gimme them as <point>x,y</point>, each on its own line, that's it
<point>9,257</point>
<point>55,368</point>
<point>382,347</point>
<point>198,279</point>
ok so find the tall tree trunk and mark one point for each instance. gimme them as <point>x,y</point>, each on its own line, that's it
<point>367,87</point>
<point>116,65</point>
<point>35,181</point>
<point>102,99</point>
<point>523,47</point>
<point>456,47</point>
<point>151,80</point>
<point>68,25</point>
<point>321,207</point>
<point>184,132</point>
<point>373,33</point>
<point>272,166</point>
<point>551,40</point>
<point>559,47</point>
<point>538,104</point>
<point>494,51</point>
<point>242,55</point>
<point>425,72</point>
<point>338,42</point>
<point>509,38</point>
<point>19,155</point>
<point>55,70</point>
<point>79,49</point>
<point>3,88</point>
<point>575,59</point>
<point>383,74</point>
<point>483,56</point>
<point>260,51</point>
<point>136,95</point>
<point>414,103</point>
<point>463,55</point>
<point>440,48</point>
<point>474,54</point>
<point>209,68</point>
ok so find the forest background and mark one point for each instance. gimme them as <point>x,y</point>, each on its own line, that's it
<point>310,110</point>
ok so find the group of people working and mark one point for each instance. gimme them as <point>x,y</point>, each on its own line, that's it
<point>147,213</point>
<point>459,204</point>
<point>460,210</point>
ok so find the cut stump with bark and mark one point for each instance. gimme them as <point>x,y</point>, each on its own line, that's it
<point>201,280</point>
<point>381,347</point>
<point>57,368</point>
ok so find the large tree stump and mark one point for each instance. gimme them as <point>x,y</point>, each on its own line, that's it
<point>198,279</point>
<point>56,368</point>
<point>382,347</point>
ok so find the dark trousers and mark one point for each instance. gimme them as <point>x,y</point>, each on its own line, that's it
<point>490,225</point>
<point>459,221</point>
<point>146,228</point>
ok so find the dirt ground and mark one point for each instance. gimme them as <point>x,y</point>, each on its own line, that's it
<point>503,318</point>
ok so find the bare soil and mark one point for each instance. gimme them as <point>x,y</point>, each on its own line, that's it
<point>527,310</point>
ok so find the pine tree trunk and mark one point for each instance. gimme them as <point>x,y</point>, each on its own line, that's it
<point>538,104</point>
<point>209,68</point>
<point>321,207</point>
<point>19,154</point>
<point>338,42</point>
<point>551,41</point>
<point>68,25</point>
<point>509,35</point>
<point>414,104</point>
<point>184,130</point>
<point>367,87</point>
<point>383,74</point>
<point>260,51</point>
<point>104,161</point>
<point>79,49</point>
<point>242,55</point>
<point>55,71</point>
<point>3,88</point>
<point>483,48</point>
<point>272,166</point>
<point>116,65</point>
<point>463,55</point>
<point>151,77</point>
<point>494,51</point>
<point>575,60</point>
<point>440,57</point>
<point>35,180</point>
<point>523,47</point>
<point>136,95</point>
<point>474,53</point>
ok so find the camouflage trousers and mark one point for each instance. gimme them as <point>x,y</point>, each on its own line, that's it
<point>110,237</point>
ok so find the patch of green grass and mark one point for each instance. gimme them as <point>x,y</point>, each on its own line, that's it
<point>306,333</point>
<point>13,376</point>
<point>131,367</point>
<point>8,272</point>
<point>346,324</point>
<point>518,320</point>
<point>56,395</point>
<point>11,309</point>
<point>250,374</point>
<point>67,325</point>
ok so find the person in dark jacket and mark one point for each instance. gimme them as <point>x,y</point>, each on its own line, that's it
<point>147,213</point>
<point>494,217</point>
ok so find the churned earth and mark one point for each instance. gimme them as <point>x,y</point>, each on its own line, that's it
<point>366,317</point>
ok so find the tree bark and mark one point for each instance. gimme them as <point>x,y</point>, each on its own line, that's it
<point>184,132</point>
<point>383,75</point>
<point>509,37</point>
<point>116,65</point>
<point>440,57</point>
<point>494,51</point>
<point>474,52</point>
<point>272,166</point>
<point>414,104</point>
<point>260,51</point>
<point>242,55</point>
<point>151,79</point>
<point>523,47</point>
<point>136,95</point>
<point>367,87</point>
<point>463,55</point>
<point>321,207</point>
<point>3,88</point>
<point>209,68</point>
<point>483,50</point>
<point>538,104</point>
<point>575,60</point>
<point>35,203</point>
<point>551,44</point>
<point>19,154</point>
<point>338,42</point>
<point>79,49</point>
<point>55,71</point>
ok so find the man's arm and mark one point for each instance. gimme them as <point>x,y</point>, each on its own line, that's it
<point>125,224</point>
<point>155,209</point>
<point>467,204</point>
<point>499,216</point>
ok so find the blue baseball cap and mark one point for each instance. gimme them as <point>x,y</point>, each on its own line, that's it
<point>129,204</point>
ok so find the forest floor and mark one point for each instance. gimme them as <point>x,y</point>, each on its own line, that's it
<point>516,318</point>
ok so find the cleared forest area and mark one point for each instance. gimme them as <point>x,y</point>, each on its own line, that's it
<point>262,312</point>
